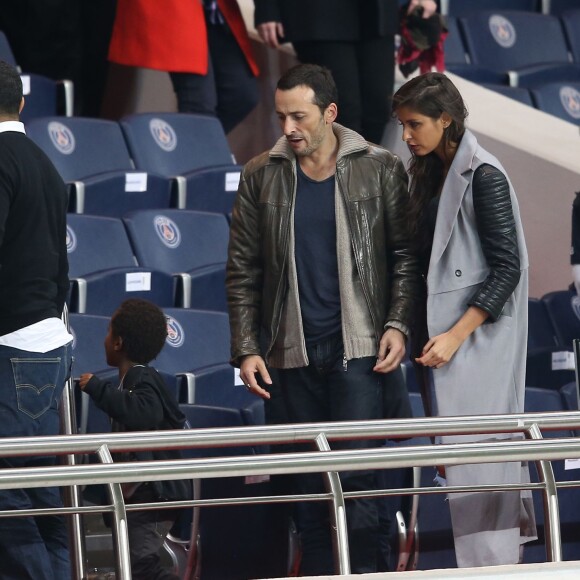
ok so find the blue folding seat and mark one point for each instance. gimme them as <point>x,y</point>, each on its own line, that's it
<point>103,269</point>
<point>89,333</point>
<point>563,308</point>
<point>454,46</point>
<point>571,23</point>
<point>97,243</point>
<point>175,145</point>
<point>507,42</point>
<point>256,536</point>
<point>542,347</point>
<point>191,245</point>
<point>92,156</point>
<point>196,339</point>
<point>558,7</point>
<point>561,99</point>
<point>519,94</point>
<point>212,189</point>
<point>467,7</point>
<point>540,401</point>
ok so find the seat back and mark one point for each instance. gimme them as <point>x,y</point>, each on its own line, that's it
<point>89,334</point>
<point>571,23</point>
<point>563,308</point>
<point>213,189</point>
<point>519,94</point>
<point>454,46</point>
<point>508,40</point>
<point>466,7</point>
<point>558,7</point>
<point>174,144</point>
<point>196,339</point>
<point>97,243</point>
<point>79,146</point>
<point>101,292</point>
<point>178,240</point>
<point>116,193</point>
<point>561,99</point>
<point>40,95</point>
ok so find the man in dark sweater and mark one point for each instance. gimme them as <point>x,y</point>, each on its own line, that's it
<point>141,402</point>
<point>34,343</point>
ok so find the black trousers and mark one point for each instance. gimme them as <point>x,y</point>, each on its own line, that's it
<point>327,391</point>
<point>229,91</point>
<point>364,73</point>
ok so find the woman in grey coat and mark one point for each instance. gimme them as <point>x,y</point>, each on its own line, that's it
<point>472,333</point>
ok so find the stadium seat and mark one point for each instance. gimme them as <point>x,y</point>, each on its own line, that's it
<point>519,94</point>
<point>561,99</point>
<point>40,95</point>
<point>197,339</point>
<point>116,193</point>
<point>467,7</point>
<point>454,47</point>
<point>507,42</point>
<point>571,23</point>
<point>212,189</point>
<point>191,245</point>
<point>175,145</point>
<point>97,243</point>
<point>102,292</point>
<point>558,7</point>
<point>89,334</point>
<point>267,555</point>
<point>92,157</point>
<point>79,146</point>
<point>563,308</point>
<point>6,53</point>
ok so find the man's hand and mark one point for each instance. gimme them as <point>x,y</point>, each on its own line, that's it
<point>270,32</point>
<point>85,378</point>
<point>391,351</point>
<point>252,365</point>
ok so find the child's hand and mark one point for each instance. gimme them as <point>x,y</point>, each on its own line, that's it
<point>85,378</point>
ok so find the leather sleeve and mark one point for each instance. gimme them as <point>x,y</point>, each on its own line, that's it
<point>499,242</point>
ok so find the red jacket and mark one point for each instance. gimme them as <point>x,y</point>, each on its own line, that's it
<point>171,35</point>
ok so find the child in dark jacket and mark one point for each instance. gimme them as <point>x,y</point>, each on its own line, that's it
<point>141,402</point>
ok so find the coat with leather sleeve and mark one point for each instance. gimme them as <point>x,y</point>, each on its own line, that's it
<point>373,184</point>
<point>329,20</point>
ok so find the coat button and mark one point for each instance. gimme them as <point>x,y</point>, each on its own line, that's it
<point>458,273</point>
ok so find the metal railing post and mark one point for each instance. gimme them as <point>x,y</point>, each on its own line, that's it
<point>552,530</point>
<point>338,527</point>
<point>120,535</point>
<point>72,494</point>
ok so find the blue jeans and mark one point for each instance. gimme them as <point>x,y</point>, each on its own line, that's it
<point>31,386</point>
<point>327,390</point>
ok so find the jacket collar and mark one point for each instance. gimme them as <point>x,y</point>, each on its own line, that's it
<point>348,142</point>
<point>454,189</point>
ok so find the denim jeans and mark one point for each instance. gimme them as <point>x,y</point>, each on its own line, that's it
<point>31,386</point>
<point>330,390</point>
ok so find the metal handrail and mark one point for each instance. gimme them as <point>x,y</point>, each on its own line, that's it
<point>309,462</point>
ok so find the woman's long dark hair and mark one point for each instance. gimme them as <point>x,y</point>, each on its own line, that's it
<point>431,94</point>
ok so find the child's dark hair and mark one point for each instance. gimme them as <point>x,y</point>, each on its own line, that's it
<point>143,328</point>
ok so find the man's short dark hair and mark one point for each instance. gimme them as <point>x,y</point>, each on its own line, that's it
<point>316,77</point>
<point>10,90</point>
<point>143,328</point>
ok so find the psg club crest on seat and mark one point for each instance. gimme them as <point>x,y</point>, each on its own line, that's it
<point>570,99</point>
<point>167,231</point>
<point>71,240</point>
<point>62,137</point>
<point>175,334</point>
<point>502,31</point>
<point>163,134</point>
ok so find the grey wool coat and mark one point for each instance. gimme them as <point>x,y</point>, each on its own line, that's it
<point>487,374</point>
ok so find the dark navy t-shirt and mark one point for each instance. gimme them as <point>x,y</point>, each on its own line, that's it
<point>316,260</point>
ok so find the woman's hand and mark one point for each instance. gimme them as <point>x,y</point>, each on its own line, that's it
<point>85,378</point>
<point>439,350</point>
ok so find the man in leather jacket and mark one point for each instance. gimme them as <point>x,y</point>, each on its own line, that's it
<point>321,283</point>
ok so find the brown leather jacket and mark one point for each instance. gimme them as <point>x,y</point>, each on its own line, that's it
<point>373,185</point>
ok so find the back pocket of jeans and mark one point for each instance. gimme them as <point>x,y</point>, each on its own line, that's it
<point>35,380</point>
